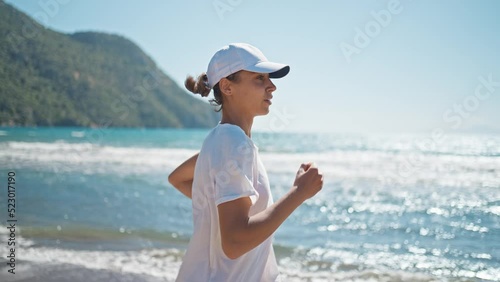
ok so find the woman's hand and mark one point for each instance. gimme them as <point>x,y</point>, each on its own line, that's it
<point>308,180</point>
<point>182,177</point>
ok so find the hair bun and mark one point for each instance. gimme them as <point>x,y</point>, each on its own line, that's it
<point>199,86</point>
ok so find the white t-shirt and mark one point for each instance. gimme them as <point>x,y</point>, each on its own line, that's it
<point>228,168</point>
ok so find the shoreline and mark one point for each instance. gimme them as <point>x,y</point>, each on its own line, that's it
<point>30,271</point>
<point>27,271</point>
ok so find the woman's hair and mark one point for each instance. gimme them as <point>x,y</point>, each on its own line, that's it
<point>200,86</point>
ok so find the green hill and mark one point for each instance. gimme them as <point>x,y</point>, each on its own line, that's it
<point>49,78</point>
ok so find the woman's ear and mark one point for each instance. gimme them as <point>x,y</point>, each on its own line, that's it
<point>225,86</point>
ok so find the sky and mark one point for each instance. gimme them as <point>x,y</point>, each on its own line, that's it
<point>356,66</point>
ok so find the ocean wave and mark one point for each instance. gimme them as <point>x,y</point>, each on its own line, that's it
<point>165,263</point>
<point>378,264</point>
<point>355,276</point>
<point>341,262</point>
<point>381,168</point>
<point>162,263</point>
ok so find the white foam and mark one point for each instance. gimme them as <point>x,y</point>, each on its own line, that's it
<point>165,263</point>
<point>89,158</point>
<point>384,168</point>
<point>372,275</point>
<point>159,263</point>
<point>19,240</point>
<point>336,262</point>
<point>494,210</point>
<point>78,134</point>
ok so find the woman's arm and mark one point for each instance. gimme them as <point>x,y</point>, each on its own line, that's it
<point>241,233</point>
<point>182,177</point>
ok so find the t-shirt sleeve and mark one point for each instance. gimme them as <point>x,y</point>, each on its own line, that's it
<point>234,168</point>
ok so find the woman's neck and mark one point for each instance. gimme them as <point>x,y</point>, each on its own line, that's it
<point>239,120</point>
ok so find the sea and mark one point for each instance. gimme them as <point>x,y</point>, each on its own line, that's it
<point>94,204</point>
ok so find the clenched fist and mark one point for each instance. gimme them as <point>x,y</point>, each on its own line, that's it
<point>308,181</point>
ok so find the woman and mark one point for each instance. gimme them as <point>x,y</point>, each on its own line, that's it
<point>233,210</point>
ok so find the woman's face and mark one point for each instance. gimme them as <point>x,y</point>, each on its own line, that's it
<point>253,92</point>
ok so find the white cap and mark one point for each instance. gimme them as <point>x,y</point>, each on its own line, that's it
<point>241,56</point>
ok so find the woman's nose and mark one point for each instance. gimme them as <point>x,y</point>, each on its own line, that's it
<point>271,86</point>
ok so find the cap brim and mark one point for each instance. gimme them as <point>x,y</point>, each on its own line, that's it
<point>275,70</point>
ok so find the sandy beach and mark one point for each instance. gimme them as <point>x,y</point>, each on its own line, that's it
<point>31,272</point>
